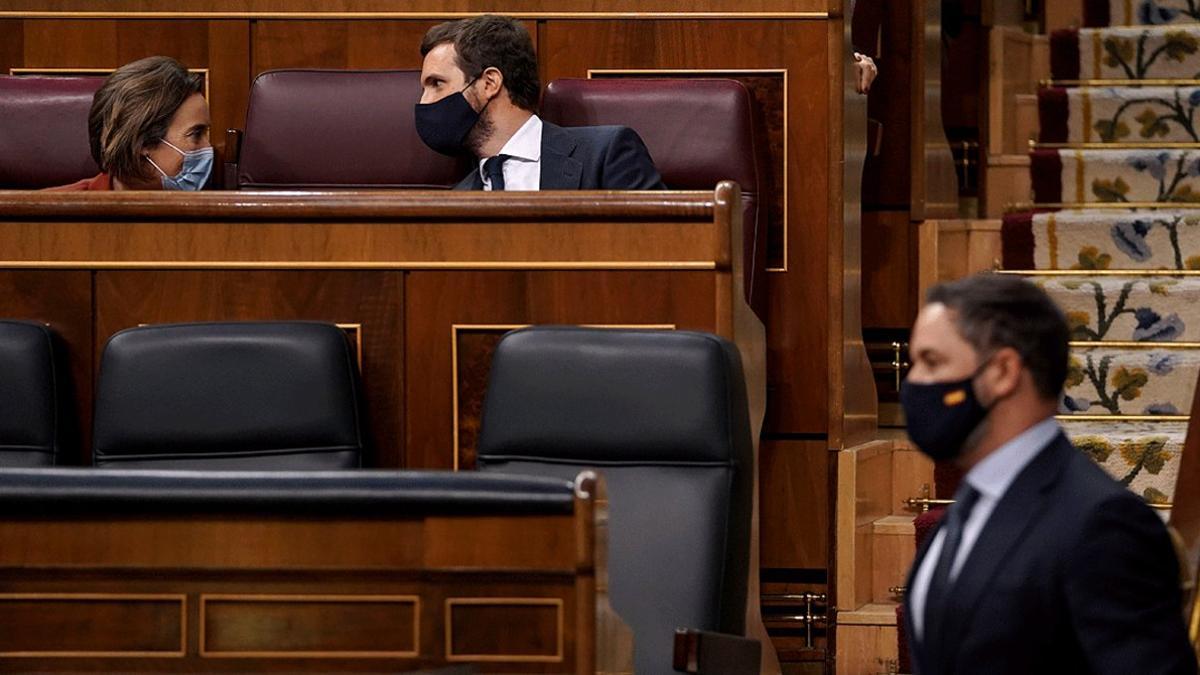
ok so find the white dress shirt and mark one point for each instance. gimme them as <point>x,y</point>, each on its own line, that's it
<point>523,168</point>
<point>991,477</point>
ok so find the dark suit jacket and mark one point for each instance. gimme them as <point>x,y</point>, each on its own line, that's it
<point>1072,573</point>
<point>589,158</point>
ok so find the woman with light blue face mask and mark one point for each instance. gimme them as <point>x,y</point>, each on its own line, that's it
<point>148,128</point>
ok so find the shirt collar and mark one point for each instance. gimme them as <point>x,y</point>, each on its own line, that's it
<point>998,470</point>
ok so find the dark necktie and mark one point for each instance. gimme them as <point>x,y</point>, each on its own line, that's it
<point>493,168</point>
<point>939,583</point>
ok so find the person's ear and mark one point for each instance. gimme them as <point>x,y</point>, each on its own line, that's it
<point>492,81</point>
<point>1001,377</point>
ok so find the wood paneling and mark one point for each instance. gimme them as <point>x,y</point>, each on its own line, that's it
<point>49,625</point>
<point>221,46</point>
<point>344,625</point>
<point>533,629</point>
<point>62,299</point>
<point>889,264</point>
<point>795,504</point>
<point>337,44</point>
<point>816,8</point>
<point>437,301</point>
<point>373,299</point>
<point>796,342</point>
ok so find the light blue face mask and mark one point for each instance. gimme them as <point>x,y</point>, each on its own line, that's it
<point>197,165</point>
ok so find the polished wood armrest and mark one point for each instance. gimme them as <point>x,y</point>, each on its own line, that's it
<point>705,653</point>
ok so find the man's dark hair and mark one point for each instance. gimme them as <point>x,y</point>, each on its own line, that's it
<point>992,311</point>
<point>491,41</point>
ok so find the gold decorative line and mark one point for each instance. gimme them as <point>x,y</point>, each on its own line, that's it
<point>1052,239</point>
<point>1096,145</point>
<point>1119,344</point>
<point>356,328</point>
<point>111,597</point>
<point>1161,506</point>
<point>1079,176</point>
<point>1087,117</point>
<point>560,628</point>
<point>1102,273</point>
<point>729,71</point>
<point>1102,82</point>
<point>1122,418</point>
<point>454,330</point>
<point>407,15</point>
<point>413,600</point>
<point>1092,206</point>
<point>357,265</point>
<point>66,72</point>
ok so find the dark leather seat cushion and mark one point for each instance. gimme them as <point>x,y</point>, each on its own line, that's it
<point>86,490</point>
<point>338,129</point>
<point>270,395</point>
<point>44,133</point>
<point>31,395</point>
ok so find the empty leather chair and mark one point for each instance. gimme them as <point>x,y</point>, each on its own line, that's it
<point>44,134</point>
<point>663,416</point>
<point>335,129</point>
<point>34,420</point>
<point>699,132</point>
<point>269,395</point>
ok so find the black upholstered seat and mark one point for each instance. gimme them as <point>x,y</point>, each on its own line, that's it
<point>664,416</point>
<point>269,395</point>
<point>33,396</point>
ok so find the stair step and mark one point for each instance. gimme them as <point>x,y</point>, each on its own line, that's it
<point>1079,239</point>
<point>1142,455</point>
<point>1143,379</point>
<point>1112,53</point>
<point>1125,115</point>
<point>1108,176</point>
<point>1117,308</point>
<point>894,526</point>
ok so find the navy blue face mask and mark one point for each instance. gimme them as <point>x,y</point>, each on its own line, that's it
<point>443,125</point>
<point>942,415</point>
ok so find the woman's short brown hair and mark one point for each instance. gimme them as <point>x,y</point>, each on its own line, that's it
<point>132,109</point>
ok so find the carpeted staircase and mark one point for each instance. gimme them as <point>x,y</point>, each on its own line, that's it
<point>1114,235</point>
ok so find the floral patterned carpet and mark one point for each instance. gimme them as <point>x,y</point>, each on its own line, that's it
<point>1114,234</point>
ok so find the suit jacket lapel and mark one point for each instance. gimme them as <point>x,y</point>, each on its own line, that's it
<point>472,181</point>
<point>1017,509</point>
<point>560,171</point>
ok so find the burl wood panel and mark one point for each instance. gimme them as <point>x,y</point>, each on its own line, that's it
<point>62,299</point>
<point>223,47</point>
<point>288,625</point>
<point>437,301</point>
<point>797,329</point>
<point>374,299</point>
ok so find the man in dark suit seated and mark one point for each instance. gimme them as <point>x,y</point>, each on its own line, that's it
<point>480,89</point>
<point>1044,563</point>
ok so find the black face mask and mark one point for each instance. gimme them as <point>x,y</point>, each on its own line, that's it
<point>942,415</point>
<point>444,124</point>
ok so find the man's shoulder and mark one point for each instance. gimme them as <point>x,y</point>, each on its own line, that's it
<point>599,134</point>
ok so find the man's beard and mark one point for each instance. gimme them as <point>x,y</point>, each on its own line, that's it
<point>480,134</point>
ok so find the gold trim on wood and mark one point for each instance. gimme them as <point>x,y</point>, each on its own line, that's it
<point>110,597</point>
<point>456,327</point>
<point>413,600</point>
<point>68,72</point>
<point>356,335</point>
<point>1095,145</point>
<point>557,603</point>
<point>1088,206</point>
<point>1101,82</point>
<point>359,265</point>
<point>730,71</point>
<point>409,15</point>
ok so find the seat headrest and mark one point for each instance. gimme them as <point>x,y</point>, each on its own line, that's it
<point>699,131</point>
<point>225,390</point>
<point>603,396</point>
<point>338,129</point>
<point>44,134</point>
<point>29,394</point>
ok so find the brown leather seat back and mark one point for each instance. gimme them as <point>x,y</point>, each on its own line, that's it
<point>43,131</point>
<point>338,129</point>
<point>698,131</point>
